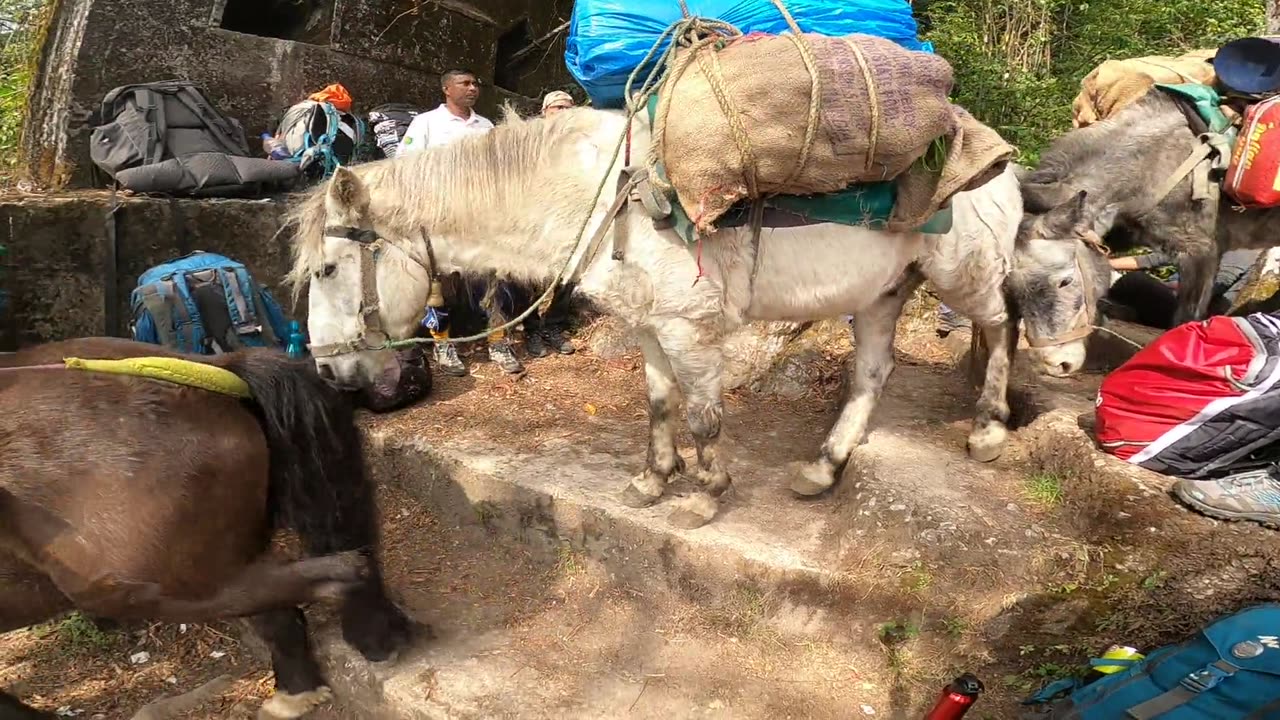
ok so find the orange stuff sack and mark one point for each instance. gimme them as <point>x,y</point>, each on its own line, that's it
<point>1253,178</point>
<point>336,95</point>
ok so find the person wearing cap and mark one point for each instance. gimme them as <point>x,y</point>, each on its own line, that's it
<point>547,333</point>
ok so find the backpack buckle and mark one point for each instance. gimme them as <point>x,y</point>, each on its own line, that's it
<point>1206,678</point>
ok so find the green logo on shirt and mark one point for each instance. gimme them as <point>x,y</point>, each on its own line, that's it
<point>408,141</point>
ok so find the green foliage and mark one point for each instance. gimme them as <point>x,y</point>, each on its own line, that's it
<point>1018,63</point>
<point>22,25</point>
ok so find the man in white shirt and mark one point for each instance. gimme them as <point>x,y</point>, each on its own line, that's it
<point>454,118</point>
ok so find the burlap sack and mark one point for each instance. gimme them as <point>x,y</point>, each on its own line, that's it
<point>975,154</point>
<point>768,86</point>
<point>1117,83</point>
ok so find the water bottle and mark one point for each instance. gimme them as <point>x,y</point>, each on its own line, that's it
<point>956,699</point>
<point>297,347</point>
<point>274,147</point>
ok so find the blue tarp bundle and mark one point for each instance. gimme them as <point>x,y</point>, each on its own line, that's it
<point>609,38</point>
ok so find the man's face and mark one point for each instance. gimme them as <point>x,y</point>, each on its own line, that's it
<point>554,108</point>
<point>462,90</point>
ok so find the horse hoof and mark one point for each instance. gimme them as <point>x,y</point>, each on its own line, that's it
<point>812,480</point>
<point>987,444</point>
<point>284,706</point>
<point>693,512</point>
<point>635,498</point>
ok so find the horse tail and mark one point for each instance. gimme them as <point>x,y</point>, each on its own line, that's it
<point>318,484</point>
<point>319,488</point>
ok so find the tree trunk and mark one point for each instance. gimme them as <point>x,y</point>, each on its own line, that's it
<point>1273,17</point>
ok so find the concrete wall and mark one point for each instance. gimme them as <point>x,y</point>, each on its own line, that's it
<point>382,50</point>
<point>60,256</point>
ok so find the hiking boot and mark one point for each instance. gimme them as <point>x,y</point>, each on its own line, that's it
<point>535,345</point>
<point>447,360</point>
<point>558,342</point>
<point>501,353</point>
<point>949,321</point>
<point>1252,495</point>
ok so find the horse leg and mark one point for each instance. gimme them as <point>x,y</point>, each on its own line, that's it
<point>13,709</point>
<point>664,398</point>
<point>299,685</point>
<point>698,367</point>
<point>990,423</point>
<point>1195,286</point>
<point>873,330</point>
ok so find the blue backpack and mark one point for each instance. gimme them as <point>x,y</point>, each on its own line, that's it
<point>206,304</point>
<point>1229,670</point>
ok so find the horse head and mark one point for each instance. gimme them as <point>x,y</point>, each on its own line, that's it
<point>1060,271</point>
<point>365,288</point>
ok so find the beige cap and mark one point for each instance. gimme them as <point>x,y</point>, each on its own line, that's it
<point>556,96</point>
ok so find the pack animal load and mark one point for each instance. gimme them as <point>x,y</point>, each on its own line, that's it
<point>1115,84</point>
<point>747,116</point>
<point>1253,178</point>
<point>166,137</point>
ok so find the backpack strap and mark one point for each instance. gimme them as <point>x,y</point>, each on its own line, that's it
<point>152,106</point>
<point>216,124</point>
<point>209,298</point>
<point>1192,685</point>
<point>244,320</point>
<point>160,300</point>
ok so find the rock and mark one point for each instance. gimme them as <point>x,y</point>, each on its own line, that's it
<point>1261,286</point>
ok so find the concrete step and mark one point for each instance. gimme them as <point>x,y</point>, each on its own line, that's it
<point>551,599</point>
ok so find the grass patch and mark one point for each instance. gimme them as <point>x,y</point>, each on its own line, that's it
<point>76,634</point>
<point>569,561</point>
<point>1044,489</point>
<point>23,26</point>
<point>956,627</point>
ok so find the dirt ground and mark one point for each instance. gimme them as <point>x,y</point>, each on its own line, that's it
<point>1099,564</point>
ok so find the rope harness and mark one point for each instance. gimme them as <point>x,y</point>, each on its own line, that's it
<point>1082,322</point>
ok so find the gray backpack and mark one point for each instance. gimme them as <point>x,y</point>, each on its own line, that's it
<point>166,137</point>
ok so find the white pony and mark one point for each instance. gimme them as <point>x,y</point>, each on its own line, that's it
<point>511,202</point>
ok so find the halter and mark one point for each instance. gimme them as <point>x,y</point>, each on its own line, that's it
<point>1082,321</point>
<point>372,336</point>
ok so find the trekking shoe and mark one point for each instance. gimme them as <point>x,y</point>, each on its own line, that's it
<point>558,342</point>
<point>949,321</point>
<point>447,360</point>
<point>535,345</point>
<point>501,353</point>
<point>1252,495</point>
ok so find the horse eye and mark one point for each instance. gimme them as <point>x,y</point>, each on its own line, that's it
<point>329,269</point>
<point>1065,281</point>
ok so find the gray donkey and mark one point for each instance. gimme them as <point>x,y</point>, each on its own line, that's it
<point>1127,174</point>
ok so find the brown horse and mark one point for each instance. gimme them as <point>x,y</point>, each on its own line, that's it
<point>128,497</point>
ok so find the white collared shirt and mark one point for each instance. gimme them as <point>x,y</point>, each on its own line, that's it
<point>439,127</point>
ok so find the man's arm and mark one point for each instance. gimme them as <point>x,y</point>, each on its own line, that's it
<point>415,137</point>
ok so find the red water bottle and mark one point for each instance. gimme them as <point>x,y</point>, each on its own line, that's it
<point>957,698</point>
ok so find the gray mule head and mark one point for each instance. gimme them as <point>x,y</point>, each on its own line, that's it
<point>1060,271</point>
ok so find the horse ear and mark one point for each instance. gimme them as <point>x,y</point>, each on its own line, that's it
<point>345,189</point>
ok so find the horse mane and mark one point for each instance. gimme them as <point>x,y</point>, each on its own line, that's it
<point>458,189</point>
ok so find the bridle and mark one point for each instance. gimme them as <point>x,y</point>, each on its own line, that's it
<point>372,335</point>
<point>1082,321</point>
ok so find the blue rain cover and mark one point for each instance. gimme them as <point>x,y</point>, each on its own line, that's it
<point>609,38</point>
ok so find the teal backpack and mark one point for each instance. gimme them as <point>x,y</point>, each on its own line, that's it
<point>1229,670</point>
<point>207,304</point>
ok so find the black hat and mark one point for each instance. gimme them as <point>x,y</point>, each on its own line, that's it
<point>1249,65</point>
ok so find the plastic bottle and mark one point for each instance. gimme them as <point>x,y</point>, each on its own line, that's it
<point>956,699</point>
<point>297,346</point>
<point>274,147</point>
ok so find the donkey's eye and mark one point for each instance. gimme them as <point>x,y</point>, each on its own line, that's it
<point>1065,281</point>
<point>328,270</point>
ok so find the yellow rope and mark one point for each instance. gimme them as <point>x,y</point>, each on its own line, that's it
<point>173,370</point>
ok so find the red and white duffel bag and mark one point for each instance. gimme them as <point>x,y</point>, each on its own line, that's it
<point>1200,401</point>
